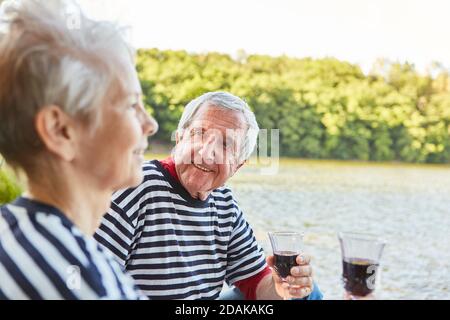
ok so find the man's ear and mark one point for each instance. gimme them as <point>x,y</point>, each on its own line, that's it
<point>56,131</point>
<point>239,166</point>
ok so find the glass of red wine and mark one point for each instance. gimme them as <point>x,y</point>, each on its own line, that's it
<point>361,254</point>
<point>286,247</point>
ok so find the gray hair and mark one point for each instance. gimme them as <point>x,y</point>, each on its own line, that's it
<point>228,101</point>
<point>46,61</point>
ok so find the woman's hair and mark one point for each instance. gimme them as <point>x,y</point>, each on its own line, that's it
<point>52,54</point>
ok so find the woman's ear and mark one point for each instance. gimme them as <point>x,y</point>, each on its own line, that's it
<point>55,129</point>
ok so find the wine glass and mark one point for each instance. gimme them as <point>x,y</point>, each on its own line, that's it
<point>361,254</point>
<point>286,246</point>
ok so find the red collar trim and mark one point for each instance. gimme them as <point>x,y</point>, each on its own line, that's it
<point>169,165</point>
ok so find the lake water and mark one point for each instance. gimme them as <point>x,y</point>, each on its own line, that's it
<point>409,205</point>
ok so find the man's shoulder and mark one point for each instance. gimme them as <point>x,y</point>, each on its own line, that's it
<point>150,167</point>
<point>152,177</point>
<point>224,200</point>
<point>153,173</point>
<point>223,192</point>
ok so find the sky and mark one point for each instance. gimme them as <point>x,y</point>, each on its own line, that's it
<point>358,31</point>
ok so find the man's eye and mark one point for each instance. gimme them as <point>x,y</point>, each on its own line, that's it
<point>196,132</point>
<point>228,145</point>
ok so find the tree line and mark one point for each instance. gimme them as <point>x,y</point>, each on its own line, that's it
<point>324,108</point>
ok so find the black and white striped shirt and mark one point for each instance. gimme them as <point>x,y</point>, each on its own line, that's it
<point>175,246</point>
<point>43,255</point>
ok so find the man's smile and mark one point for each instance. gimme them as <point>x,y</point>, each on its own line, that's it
<point>202,168</point>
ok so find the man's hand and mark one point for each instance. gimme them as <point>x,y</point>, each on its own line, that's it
<point>299,283</point>
<point>348,296</point>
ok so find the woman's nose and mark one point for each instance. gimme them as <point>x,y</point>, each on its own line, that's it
<point>149,126</point>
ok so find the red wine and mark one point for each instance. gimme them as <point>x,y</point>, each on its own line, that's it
<point>358,276</point>
<point>284,261</point>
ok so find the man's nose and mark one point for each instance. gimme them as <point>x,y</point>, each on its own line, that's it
<point>207,149</point>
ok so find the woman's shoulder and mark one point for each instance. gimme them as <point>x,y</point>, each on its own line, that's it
<point>47,257</point>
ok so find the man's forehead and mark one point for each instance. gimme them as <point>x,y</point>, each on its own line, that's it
<point>210,127</point>
<point>233,133</point>
<point>211,116</point>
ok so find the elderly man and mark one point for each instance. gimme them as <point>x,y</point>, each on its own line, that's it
<point>181,234</point>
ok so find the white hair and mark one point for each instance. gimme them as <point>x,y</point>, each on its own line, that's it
<point>228,101</point>
<point>47,59</point>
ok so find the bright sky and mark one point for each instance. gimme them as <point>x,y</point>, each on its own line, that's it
<point>359,31</point>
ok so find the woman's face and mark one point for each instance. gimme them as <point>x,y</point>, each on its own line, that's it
<point>113,153</point>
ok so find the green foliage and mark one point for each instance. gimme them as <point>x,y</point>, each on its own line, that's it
<point>9,189</point>
<point>324,108</point>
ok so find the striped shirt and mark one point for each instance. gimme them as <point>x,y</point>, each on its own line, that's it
<point>43,255</point>
<point>175,246</point>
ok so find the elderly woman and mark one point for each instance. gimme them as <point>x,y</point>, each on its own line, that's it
<point>72,119</point>
<point>181,233</point>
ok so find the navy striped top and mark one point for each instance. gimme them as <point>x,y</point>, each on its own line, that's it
<point>175,246</point>
<point>43,255</point>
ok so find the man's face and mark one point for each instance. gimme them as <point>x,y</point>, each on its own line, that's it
<point>208,153</point>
